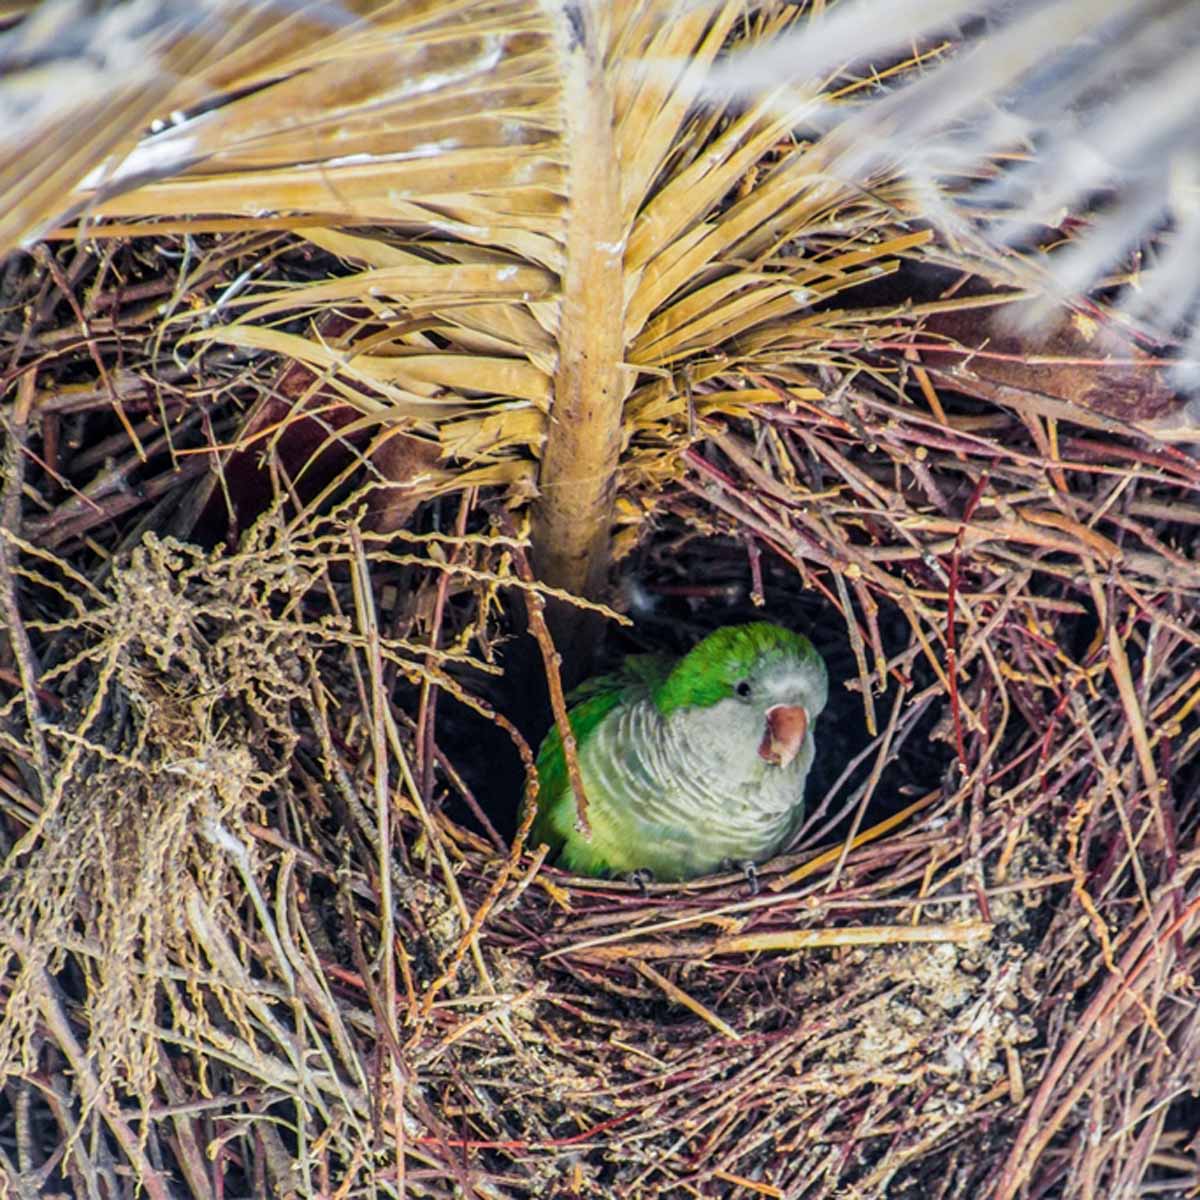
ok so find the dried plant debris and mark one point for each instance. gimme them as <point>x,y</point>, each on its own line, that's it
<point>261,936</point>
<point>138,898</point>
<point>255,935</point>
<point>268,924</point>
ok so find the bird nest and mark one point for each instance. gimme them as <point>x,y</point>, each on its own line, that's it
<point>269,926</point>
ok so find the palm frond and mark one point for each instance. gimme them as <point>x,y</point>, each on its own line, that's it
<point>550,224</point>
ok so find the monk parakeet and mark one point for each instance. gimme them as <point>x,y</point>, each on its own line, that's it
<point>690,764</point>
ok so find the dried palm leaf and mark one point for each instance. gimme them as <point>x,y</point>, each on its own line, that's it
<point>561,240</point>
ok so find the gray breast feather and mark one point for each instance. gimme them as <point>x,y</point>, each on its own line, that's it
<point>679,789</point>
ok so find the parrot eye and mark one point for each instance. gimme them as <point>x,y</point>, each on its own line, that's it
<point>743,689</point>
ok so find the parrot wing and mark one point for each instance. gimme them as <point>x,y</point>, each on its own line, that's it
<point>588,705</point>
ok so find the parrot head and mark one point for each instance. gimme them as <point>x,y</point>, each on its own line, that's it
<point>754,690</point>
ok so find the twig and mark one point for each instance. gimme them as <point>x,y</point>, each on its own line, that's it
<point>689,1002</point>
<point>551,661</point>
<point>92,1093</point>
<point>963,933</point>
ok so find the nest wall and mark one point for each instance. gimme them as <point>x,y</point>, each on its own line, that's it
<point>261,935</point>
<point>269,925</point>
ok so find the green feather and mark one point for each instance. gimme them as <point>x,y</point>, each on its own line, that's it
<point>705,676</point>
<point>589,704</point>
<point>711,670</point>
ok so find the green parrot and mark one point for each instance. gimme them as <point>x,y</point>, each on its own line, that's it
<point>690,764</point>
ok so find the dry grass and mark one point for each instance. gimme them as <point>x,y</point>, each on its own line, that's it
<point>527,209</point>
<point>255,941</point>
<point>259,934</point>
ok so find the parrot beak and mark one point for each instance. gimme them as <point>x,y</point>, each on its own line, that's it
<point>784,735</point>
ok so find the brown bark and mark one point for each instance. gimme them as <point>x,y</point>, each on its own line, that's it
<point>572,520</point>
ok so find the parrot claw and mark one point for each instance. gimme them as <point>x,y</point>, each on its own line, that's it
<point>748,867</point>
<point>642,877</point>
<point>750,870</point>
